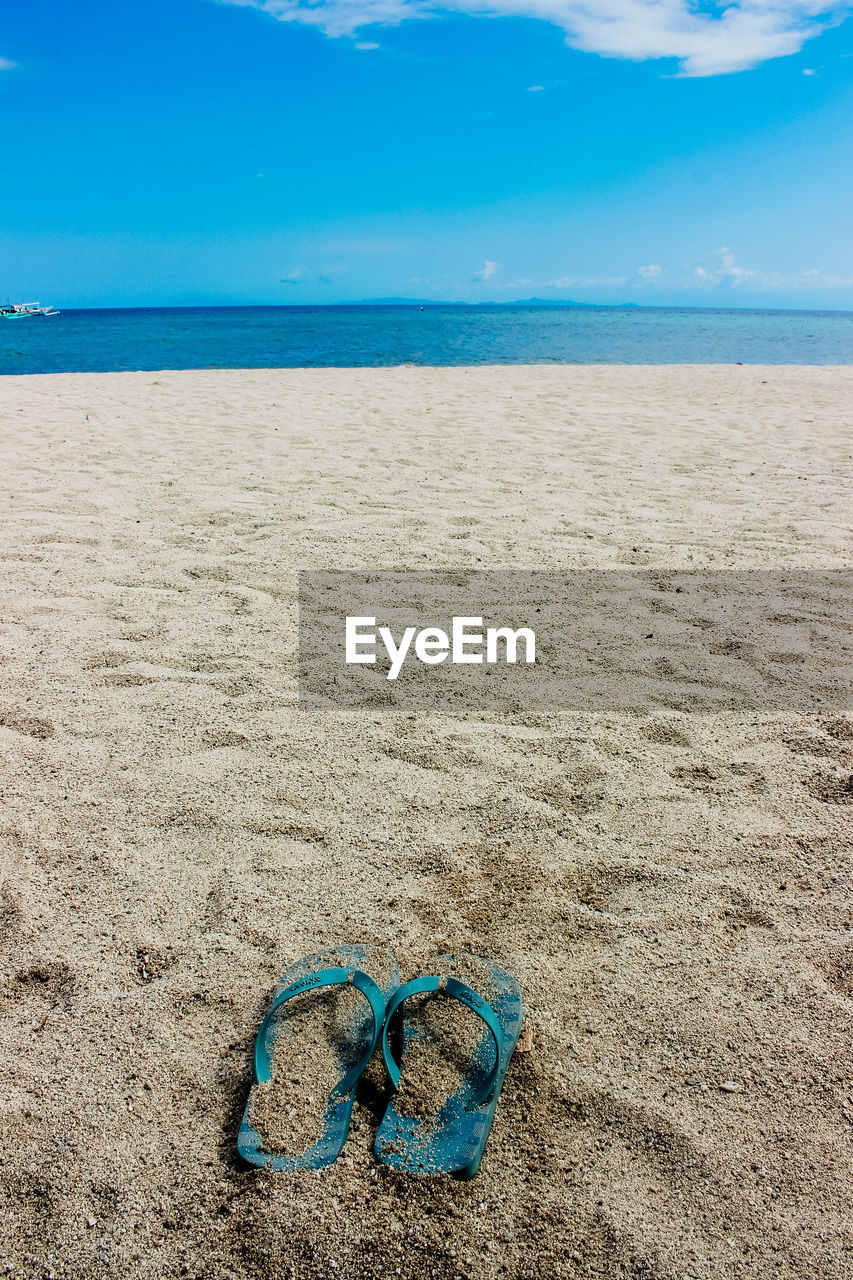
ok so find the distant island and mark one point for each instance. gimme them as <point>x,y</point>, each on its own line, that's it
<point>434,302</point>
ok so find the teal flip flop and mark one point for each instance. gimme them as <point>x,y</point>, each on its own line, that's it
<point>454,1138</point>
<point>352,1047</point>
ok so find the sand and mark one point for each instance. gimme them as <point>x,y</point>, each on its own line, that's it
<point>672,890</point>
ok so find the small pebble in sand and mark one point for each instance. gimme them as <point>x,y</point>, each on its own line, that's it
<point>525,1040</point>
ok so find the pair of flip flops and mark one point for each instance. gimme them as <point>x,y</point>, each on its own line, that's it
<point>452,1137</point>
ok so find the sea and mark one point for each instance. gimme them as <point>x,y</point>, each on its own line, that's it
<point>377,335</point>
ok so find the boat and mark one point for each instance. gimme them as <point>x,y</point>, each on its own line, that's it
<point>17,310</point>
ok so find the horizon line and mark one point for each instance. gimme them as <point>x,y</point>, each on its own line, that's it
<point>433,302</point>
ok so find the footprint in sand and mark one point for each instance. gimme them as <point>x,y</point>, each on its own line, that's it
<point>32,726</point>
<point>831,788</point>
<point>52,980</point>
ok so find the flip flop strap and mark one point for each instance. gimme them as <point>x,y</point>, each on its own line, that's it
<point>465,995</point>
<point>325,978</point>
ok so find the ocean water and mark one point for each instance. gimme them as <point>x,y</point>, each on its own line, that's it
<point>270,337</point>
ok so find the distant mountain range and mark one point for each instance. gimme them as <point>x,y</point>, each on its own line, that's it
<point>433,302</point>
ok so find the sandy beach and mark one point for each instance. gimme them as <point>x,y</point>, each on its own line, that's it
<point>672,890</point>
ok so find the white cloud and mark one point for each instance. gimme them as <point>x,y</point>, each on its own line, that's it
<point>726,272</point>
<point>536,88</point>
<point>710,40</point>
<point>721,271</point>
<point>301,275</point>
<point>716,272</point>
<point>6,65</point>
<point>590,282</point>
<point>365,45</point>
<point>487,270</point>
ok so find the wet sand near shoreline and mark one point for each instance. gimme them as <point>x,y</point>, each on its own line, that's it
<point>672,890</point>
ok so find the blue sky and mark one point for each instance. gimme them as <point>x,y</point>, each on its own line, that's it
<point>195,151</point>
